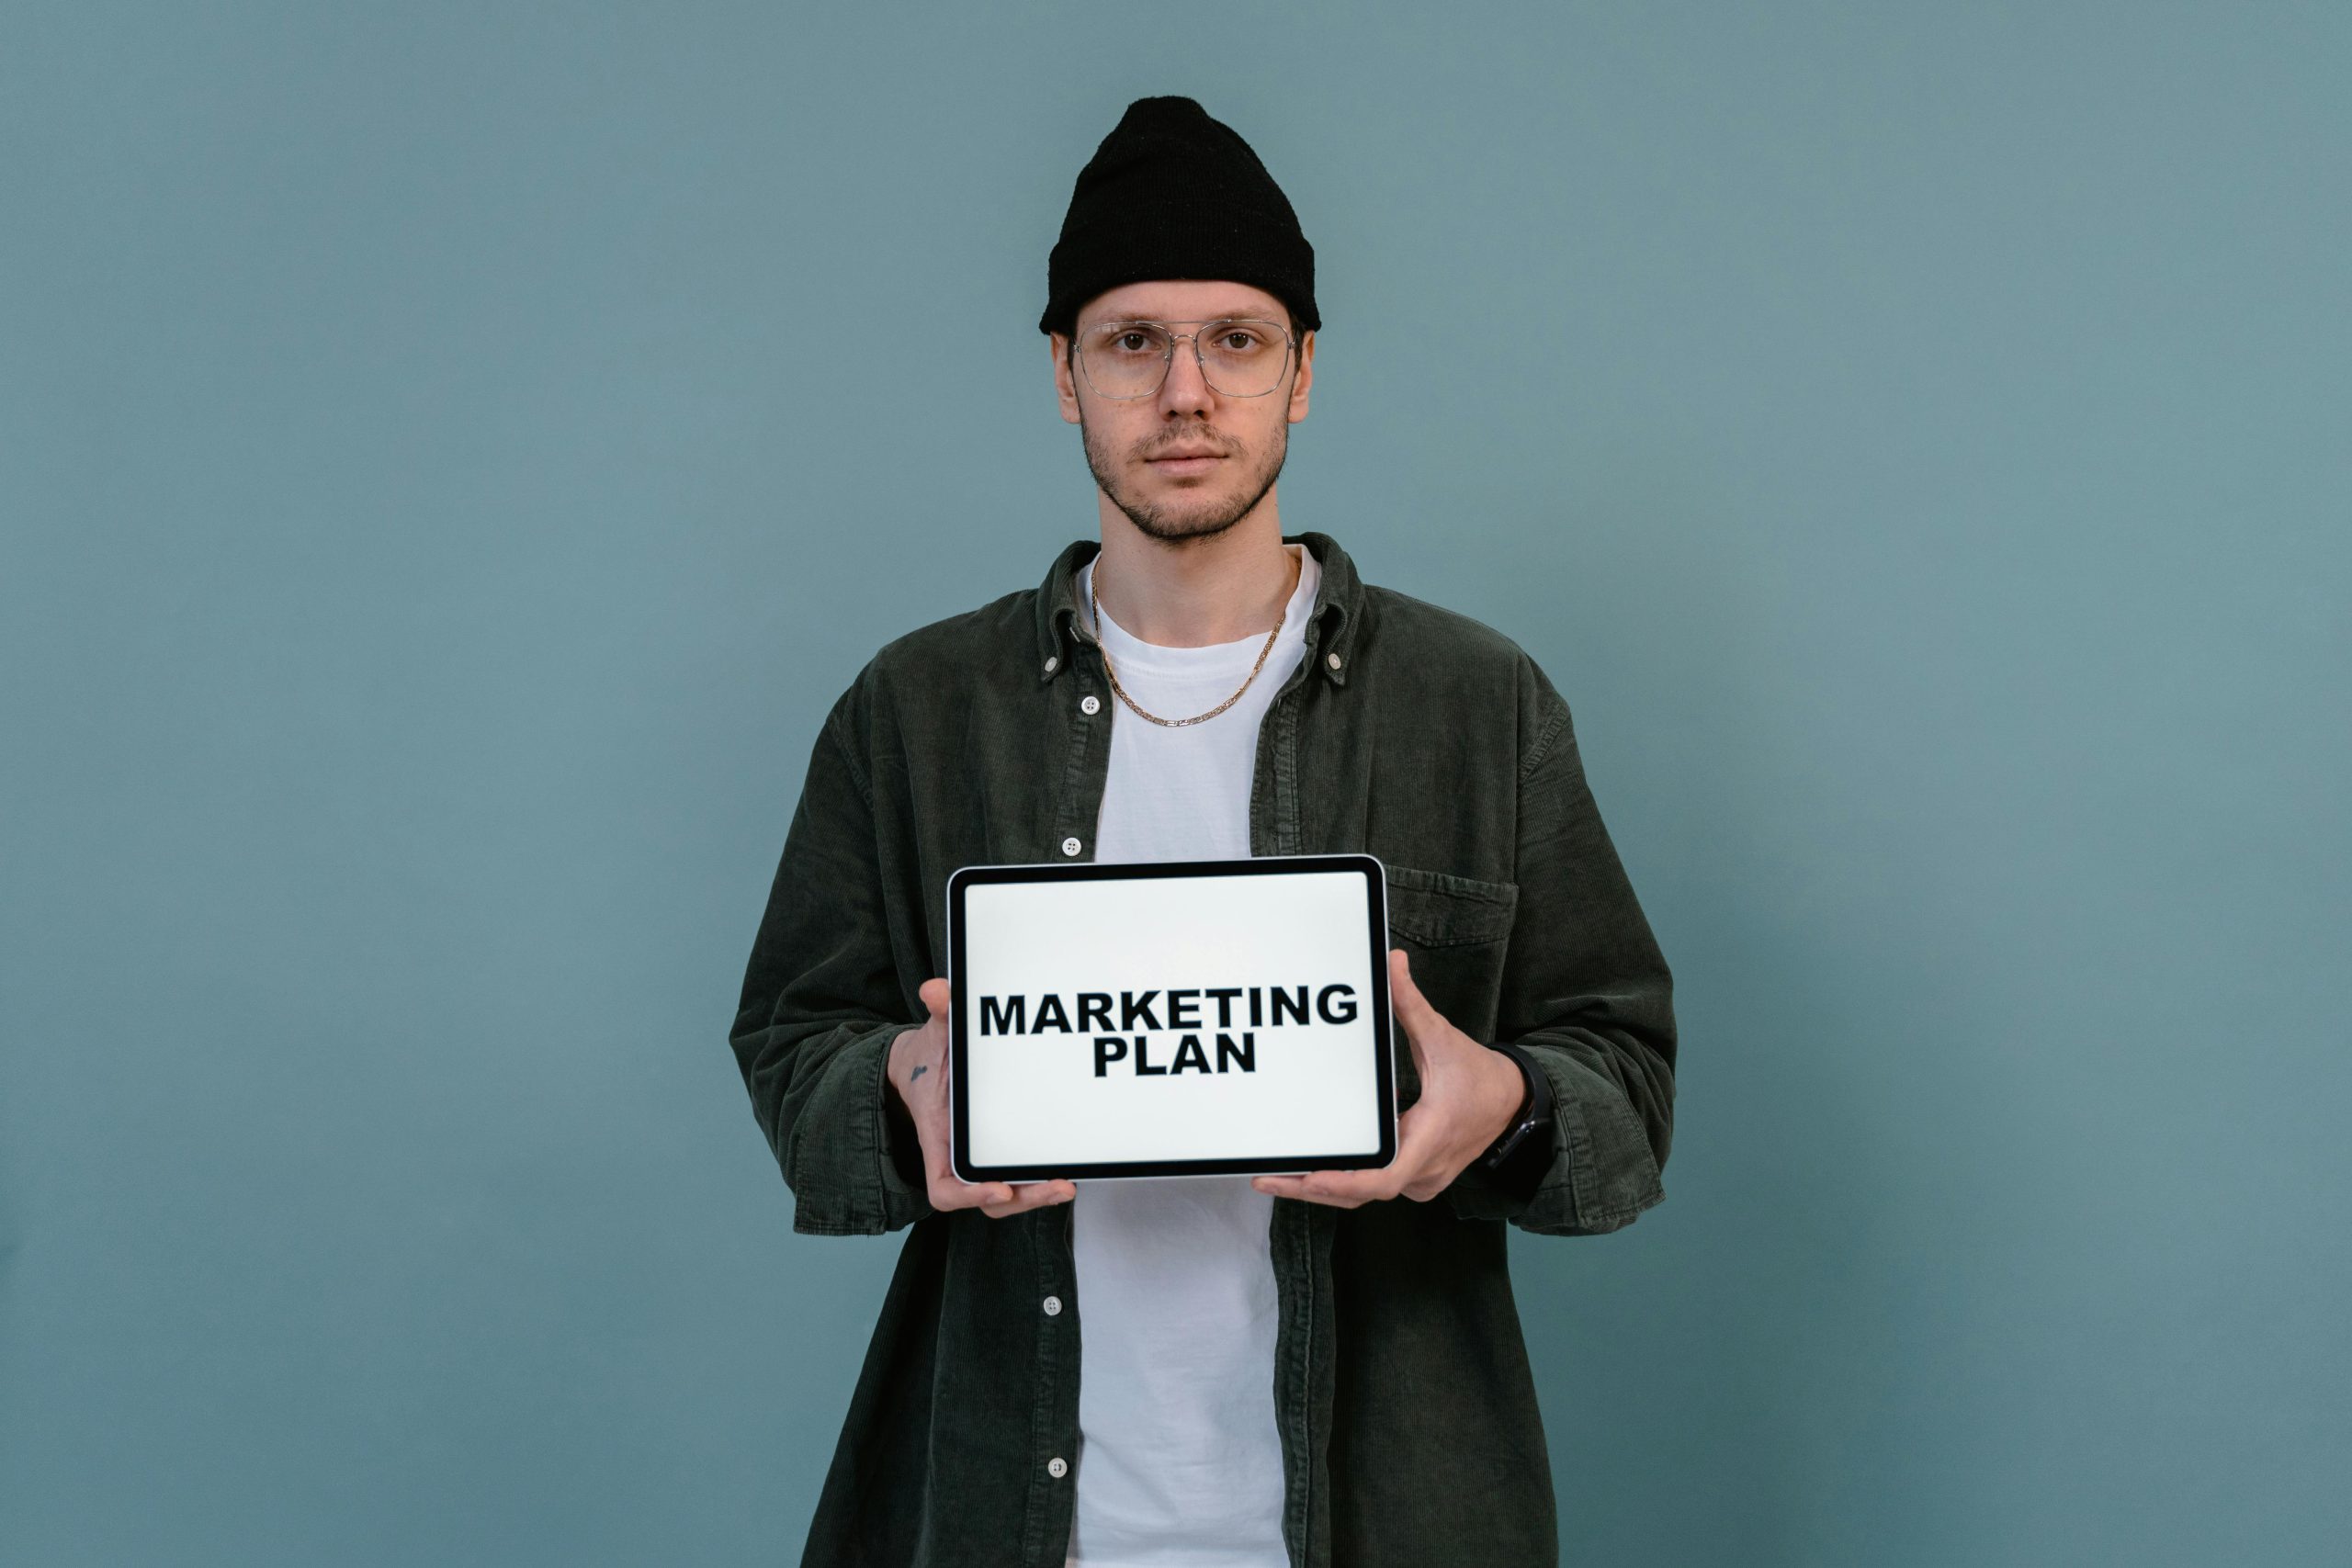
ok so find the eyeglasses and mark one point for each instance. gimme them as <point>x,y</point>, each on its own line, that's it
<point>1239,357</point>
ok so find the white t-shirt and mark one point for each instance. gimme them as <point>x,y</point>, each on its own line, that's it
<point>1179,1464</point>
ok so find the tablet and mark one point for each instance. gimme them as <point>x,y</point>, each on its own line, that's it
<point>1170,1018</point>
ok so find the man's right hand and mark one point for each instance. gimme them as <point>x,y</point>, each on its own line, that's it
<point>918,1071</point>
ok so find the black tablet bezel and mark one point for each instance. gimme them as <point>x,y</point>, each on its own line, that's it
<point>1376,934</point>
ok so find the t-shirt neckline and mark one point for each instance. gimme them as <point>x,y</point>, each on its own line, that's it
<point>1130,652</point>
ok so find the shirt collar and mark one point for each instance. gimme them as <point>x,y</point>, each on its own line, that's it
<point>1330,625</point>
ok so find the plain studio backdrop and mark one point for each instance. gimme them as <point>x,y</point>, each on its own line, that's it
<point>451,457</point>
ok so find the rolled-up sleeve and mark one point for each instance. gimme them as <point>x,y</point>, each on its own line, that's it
<point>822,1003</point>
<point>1585,989</point>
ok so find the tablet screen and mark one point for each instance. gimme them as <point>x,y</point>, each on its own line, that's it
<point>1180,1018</point>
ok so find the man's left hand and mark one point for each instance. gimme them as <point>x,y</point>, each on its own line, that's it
<point>1470,1092</point>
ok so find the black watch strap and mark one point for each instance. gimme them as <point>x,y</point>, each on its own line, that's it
<point>1519,1156</point>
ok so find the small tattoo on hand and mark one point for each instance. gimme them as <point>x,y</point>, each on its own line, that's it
<point>918,1073</point>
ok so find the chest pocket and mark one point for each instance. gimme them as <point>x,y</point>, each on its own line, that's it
<point>1455,932</point>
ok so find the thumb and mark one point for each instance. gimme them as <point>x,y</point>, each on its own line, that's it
<point>936,996</point>
<point>1411,1007</point>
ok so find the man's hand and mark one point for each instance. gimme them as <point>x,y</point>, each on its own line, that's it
<point>1469,1094</point>
<point>918,1070</point>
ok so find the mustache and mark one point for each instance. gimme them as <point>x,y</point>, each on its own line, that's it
<point>1198,436</point>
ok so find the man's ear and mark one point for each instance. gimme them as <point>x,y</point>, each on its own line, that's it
<point>1065,385</point>
<point>1303,378</point>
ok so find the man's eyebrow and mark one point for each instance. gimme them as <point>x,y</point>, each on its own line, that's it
<point>1249,315</point>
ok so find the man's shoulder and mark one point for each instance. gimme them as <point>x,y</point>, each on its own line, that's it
<point>1435,659</point>
<point>1003,626</point>
<point>1415,627</point>
<point>941,665</point>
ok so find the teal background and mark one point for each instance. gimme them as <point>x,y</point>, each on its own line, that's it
<point>451,457</point>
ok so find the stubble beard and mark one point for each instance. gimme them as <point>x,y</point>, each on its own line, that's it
<point>1179,528</point>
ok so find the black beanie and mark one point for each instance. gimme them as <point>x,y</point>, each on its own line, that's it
<point>1172,193</point>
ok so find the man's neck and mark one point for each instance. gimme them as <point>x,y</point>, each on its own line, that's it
<point>1198,592</point>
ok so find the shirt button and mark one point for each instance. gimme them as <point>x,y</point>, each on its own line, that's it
<point>1069,846</point>
<point>1332,659</point>
<point>1052,661</point>
<point>1053,1306</point>
<point>1057,1467</point>
<point>1090,703</point>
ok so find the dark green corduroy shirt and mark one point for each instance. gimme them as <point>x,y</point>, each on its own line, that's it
<point>1410,1430</point>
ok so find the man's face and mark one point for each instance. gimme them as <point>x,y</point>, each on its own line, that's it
<point>1187,462</point>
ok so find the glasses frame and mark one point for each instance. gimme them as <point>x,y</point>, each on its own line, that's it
<point>1289,351</point>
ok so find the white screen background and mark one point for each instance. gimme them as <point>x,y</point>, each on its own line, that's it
<point>1035,1098</point>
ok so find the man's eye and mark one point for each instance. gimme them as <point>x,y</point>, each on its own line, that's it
<point>1131,342</point>
<point>1240,338</point>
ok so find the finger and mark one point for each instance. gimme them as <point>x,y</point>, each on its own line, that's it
<point>955,1192</point>
<point>1349,1186</point>
<point>1315,1195</point>
<point>1027,1196</point>
<point>936,995</point>
<point>1403,994</point>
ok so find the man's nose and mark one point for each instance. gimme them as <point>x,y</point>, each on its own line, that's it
<point>1185,390</point>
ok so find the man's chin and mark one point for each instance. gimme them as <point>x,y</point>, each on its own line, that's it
<point>1178,520</point>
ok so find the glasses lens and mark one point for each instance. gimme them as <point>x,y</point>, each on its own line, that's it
<point>1124,359</point>
<point>1243,359</point>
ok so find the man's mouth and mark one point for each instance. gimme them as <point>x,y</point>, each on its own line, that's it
<point>1187,462</point>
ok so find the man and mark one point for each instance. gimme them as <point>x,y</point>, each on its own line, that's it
<point>1321,1369</point>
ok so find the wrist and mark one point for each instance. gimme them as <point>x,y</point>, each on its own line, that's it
<point>1510,1097</point>
<point>1525,1141</point>
<point>904,1061</point>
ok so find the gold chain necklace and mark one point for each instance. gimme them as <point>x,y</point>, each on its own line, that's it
<point>1093,579</point>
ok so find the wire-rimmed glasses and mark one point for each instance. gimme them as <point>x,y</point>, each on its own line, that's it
<point>1239,356</point>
